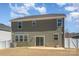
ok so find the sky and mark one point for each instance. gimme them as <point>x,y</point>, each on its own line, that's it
<point>10,11</point>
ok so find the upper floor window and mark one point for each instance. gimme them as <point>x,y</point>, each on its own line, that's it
<point>19,24</point>
<point>59,22</point>
<point>33,22</point>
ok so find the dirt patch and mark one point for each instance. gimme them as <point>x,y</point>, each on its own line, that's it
<point>38,52</point>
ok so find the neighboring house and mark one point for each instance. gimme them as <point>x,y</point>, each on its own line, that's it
<point>71,40</point>
<point>5,36</point>
<point>40,30</point>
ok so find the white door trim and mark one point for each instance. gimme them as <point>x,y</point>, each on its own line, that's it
<point>40,36</point>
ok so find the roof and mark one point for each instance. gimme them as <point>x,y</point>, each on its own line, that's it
<point>76,37</point>
<point>39,17</point>
<point>5,27</point>
<point>67,35</point>
<point>71,35</point>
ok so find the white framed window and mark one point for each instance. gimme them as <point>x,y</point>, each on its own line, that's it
<point>21,38</point>
<point>59,22</point>
<point>19,25</point>
<point>16,38</point>
<point>25,37</point>
<point>33,22</point>
<point>55,36</point>
<point>40,40</point>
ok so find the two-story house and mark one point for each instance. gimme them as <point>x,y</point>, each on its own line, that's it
<point>40,30</point>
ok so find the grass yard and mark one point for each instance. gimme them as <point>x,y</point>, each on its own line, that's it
<point>38,52</point>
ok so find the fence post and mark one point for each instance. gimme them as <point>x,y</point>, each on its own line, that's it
<point>69,43</point>
<point>77,42</point>
<point>5,43</point>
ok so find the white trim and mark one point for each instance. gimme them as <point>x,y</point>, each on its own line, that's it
<point>15,38</point>
<point>22,35</point>
<point>61,22</point>
<point>40,36</point>
<point>34,21</point>
<point>56,34</point>
<point>18,24</point>
<point>58,42</point>
<point>43,18</point>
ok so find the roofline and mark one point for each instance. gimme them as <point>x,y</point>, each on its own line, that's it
<point>38,16</point>
<point>5,30</point>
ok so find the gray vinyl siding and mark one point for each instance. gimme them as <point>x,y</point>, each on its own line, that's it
<point>49,38</point>
<point>41,25</point>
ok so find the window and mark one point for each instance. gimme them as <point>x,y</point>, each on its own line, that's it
<point>55,37</point>
<point>33,22</point>
<point>19,25</point>
<point>16,38</point>
<point>59,22</point>
<point>25,38</point>
<point>39,41</point>
<point>21,38</point>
